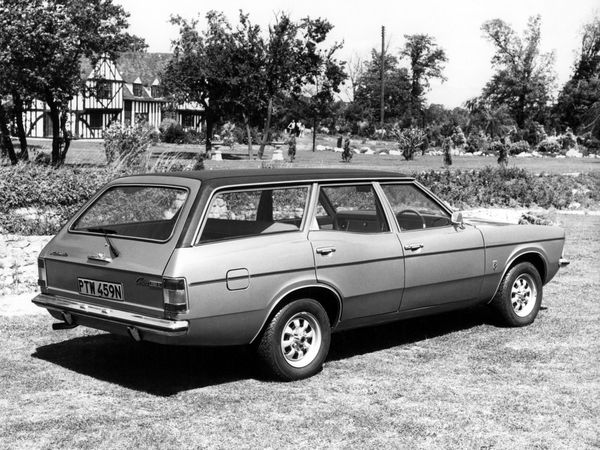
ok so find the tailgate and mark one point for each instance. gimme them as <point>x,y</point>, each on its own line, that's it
<point>115,251</point>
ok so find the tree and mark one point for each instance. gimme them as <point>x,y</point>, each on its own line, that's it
<point>426,60</point>
<point>494,121</point>
<point>197,72</point>
<point>55,36</point>
<point>397,89</point>
<point>524,77</point>
<point>578,105</point>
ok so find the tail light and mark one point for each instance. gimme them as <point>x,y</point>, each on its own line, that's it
<point>175,295</point>
<point>42,278</point>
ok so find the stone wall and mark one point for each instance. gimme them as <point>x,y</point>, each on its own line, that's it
<point>18,262</point>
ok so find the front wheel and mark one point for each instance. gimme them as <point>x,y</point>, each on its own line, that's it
<point>519,296</point>
<point>296,341</point>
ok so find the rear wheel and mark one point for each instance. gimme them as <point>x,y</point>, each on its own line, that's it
<point>519,296</point>
<point>296,341</point>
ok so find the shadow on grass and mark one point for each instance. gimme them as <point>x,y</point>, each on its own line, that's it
<point>167,370</point>
<point>347,344</point>
<point>157,369</point>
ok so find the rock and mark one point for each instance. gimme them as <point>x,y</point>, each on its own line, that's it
<point>216,156</point>
<point>524,155</point>
<point>395,153</point>
<point>573,153</point>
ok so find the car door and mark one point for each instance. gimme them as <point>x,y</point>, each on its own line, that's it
<point>355,251</point>
<point>444,263</point>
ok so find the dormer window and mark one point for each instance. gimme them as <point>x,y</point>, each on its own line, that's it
<point>103,89</point>
<point>138,90</point>
<point>156,91</point>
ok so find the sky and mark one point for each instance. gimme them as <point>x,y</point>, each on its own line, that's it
<point>455,24</point>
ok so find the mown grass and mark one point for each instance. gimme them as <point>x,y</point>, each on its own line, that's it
<point>448,381</point>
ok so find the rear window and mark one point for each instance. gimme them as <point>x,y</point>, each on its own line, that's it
<point>146,212</point>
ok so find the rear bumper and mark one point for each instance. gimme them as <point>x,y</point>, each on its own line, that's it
<point>110,317</point>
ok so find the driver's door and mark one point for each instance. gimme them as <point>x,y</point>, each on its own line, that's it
<point>443,263</point>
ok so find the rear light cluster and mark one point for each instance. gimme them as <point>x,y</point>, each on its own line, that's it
<point>42,278</point>
<point>175,295</point>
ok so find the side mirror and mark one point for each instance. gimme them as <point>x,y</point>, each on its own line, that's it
<point>457,219</point>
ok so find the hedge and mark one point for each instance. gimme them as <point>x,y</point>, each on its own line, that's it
<point>53,195</point>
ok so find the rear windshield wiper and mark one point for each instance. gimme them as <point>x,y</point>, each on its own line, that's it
<point>106,231</point>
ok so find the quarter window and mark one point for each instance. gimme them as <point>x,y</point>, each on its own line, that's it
<point>352,208</point>
<point>413,209</point>
<point>254,212</point>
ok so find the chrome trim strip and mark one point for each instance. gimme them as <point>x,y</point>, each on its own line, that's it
<point>147,323</point>
<point>121,302</point>
<point>563,262</point>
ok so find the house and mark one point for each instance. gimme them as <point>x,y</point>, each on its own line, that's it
<point>128,91</point>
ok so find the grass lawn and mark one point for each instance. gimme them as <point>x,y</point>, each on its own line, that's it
<point>448,381</point>
<point>92,152</point>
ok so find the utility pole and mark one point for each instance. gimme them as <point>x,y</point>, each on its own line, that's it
<point>382,74</point>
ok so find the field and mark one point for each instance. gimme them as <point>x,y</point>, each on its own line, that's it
<point>91,152</point>
<point>450,381</point>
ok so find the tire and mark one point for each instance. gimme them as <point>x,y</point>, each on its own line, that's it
<point>519,296</point>
<point>296,341</point>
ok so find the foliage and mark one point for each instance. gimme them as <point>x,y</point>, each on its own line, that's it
<point>171,132</point>
<point>44,42</point>
<point>549,145</point>
<point>477,142</point>
<point>447,149</point>
<point>524,77</point>
<point>513,187</point>
<point>502,155</point>
<point>458,137</point>
<point>518,147</point>
<point>426,60</point>
<point>409,141</point>
<point>128,145</point>
<point>567,140</point>
<point>591,143</point>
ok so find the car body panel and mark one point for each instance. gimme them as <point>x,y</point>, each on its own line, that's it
<point>235,285</point>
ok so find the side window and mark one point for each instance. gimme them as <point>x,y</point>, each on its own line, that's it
<point>353,208</point>
<point>233,214</point>
<point>413,209</point>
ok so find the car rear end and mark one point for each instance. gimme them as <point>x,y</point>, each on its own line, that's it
<point>105,268</point>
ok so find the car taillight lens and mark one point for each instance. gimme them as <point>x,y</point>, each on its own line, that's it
<point>42,279</point>
<point>175,295</point>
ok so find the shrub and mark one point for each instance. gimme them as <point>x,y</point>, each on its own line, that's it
<point>549,145</point>
<point>477,142</point>
<point>172,132</point>
<point>590,142</point>
<point>446,147</point>
<point>518,147</point>
<point>567,140</point>
<point>127,145</point>
<point>458,137</point>
<point>409,141</point>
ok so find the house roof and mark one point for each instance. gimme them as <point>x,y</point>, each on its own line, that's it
<point>145,66</point>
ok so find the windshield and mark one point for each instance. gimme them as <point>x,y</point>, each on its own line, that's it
<point>147,212</point>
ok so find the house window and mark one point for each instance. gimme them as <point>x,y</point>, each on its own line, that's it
<point>103,90</point>
<point>141,117</point>
<point>96,120</point>
<point>138,90</point>
<point>187,120</point>
<point>156,91</point>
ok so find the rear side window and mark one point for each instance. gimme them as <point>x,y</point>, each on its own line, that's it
<point>147,212</point>
<point>254,211</point>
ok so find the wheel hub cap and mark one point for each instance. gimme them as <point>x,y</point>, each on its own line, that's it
<point>301,339</point>
<point>523,295</point>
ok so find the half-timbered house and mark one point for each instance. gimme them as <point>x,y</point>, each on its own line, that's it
<point>127,91</point>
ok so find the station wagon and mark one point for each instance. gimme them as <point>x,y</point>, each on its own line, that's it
<point>280,258</point>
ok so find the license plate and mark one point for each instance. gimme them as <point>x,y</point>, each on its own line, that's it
<point>102,289</point>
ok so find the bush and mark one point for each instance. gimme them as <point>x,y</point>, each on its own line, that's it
<point>172,132</point>
<point>590,142</point>
<point>518,147</point>
<point>127,145</point>
<point>477,142</point>
<point>567,140</point>
<point>549,145</point>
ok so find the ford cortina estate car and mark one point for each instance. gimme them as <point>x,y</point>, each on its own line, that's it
<point>282,258</point>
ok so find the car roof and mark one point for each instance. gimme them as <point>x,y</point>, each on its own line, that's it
<point>250,176</point>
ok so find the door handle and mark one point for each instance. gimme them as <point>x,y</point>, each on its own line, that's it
<point>413,247</point>
<point>325,250</point>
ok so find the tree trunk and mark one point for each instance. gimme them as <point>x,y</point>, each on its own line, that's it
<point>249,134</point>
<point>66,136</point>
<point>56,137</point>
<point>18,102</point>
<point>5,142</point>
<point>266,130</point>
<point>314,143</point>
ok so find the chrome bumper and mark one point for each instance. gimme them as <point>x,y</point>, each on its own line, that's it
<point>563,262</point>
<point>143,323</point>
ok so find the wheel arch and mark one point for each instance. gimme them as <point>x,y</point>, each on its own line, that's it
<point>327,296</point>
<point>533,256</point>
